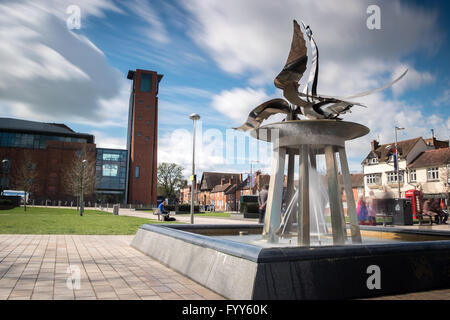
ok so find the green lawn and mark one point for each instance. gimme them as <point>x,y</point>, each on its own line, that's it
<point>67,221</point>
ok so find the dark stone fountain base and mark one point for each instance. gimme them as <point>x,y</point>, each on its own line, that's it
<point>242,271</point>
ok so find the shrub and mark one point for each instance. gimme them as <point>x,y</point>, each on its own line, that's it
<point>182,208</point>
<point>6,202</point>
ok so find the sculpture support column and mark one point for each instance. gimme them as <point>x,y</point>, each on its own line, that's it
<point>351,207</point>
<point>272,219</point>
<point>303,198</point>
<point>333,195</point>
<point>290,187</point>
<point>341,204</point>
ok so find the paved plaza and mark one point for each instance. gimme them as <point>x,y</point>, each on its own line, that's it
<point>36,267</point>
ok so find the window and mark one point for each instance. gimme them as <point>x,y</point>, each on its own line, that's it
<point>147,138</point>
<point>148,106</point>
<point>147,122</point>
<point>146,82</point>
<point>111,157</point>
<point>137,171</point>
<point>433,174</point>
<point>373,161</point>
<point>373,179</point>
<point>139,118</point>
<point>110,170</point>
<point>139,133</point>
<point>413,176</point>
<point>392,176</point>
<point>448,173</point>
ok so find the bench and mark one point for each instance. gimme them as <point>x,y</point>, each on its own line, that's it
<point>384,216</point>
<point>158,212</point>
<point>420,217</point>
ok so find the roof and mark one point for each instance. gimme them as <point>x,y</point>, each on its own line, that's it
<point>18,125</point>
<point>222,187</point>
<point>357,179</point>
<point>211,179</point>
<point>383,151</point>
<point>431,158</point>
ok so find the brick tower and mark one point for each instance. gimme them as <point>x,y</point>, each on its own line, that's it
<point>142,137</point>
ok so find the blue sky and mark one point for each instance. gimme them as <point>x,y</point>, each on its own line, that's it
<point>219,59</point>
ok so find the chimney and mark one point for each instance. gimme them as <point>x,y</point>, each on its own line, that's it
<point>374,144</point>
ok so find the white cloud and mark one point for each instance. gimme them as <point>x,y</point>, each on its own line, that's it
<point>253,37</point>
<point>238,102</point>
<point>414,79</point>
<point>50,73</point>
<point>157,31</point>
<point>105,140</point>
<point>443,99</point>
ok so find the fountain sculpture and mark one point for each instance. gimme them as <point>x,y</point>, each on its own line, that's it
<point>322,133</point>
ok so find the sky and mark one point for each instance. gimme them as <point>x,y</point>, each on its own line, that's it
<point>219,59</point>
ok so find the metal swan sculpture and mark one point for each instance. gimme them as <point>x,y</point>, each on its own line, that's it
<point>308,102</point>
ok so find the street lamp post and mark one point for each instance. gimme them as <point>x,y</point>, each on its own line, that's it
<point>5,163</point>
<point>251,170</point>
<point>194,117</point>
<point>83,164</point>
<point>396,160</point>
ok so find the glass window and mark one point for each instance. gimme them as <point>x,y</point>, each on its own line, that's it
<point>111,157</point>
<point>373,179</point>
<point>147,121</point>
<point>392,176</point>
<point>413,175</point>
<point>139,133</point>
<point>146,82</point>
<point>433,173</point>
<point>148,106</point>
<point>137,171</point>
<point>110,170</point>
<point>448,173</point>
<point>147,138</point>
<point>373,161</point>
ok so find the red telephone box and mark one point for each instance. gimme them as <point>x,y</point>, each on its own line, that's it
<point>416,201</point>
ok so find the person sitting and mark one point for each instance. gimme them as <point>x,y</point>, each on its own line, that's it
<point>428,210</point>
<point>441,216</point>
<point>164,212</point>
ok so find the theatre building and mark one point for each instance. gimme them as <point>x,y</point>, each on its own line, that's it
<point>50,150</point>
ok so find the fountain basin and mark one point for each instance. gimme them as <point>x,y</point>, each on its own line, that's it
<point>238,270</point>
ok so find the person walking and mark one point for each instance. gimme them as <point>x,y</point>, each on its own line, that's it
<point>262,200</point>
<point>372,210</point>
<point>362,211</point>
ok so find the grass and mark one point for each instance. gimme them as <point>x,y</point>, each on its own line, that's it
<point>67,221</point>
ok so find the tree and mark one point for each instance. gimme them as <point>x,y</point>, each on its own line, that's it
<point>170,178</point>
<point>24,177</point>
<point>80,176</point>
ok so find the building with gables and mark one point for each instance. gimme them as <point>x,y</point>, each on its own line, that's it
<point>379,173</point>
